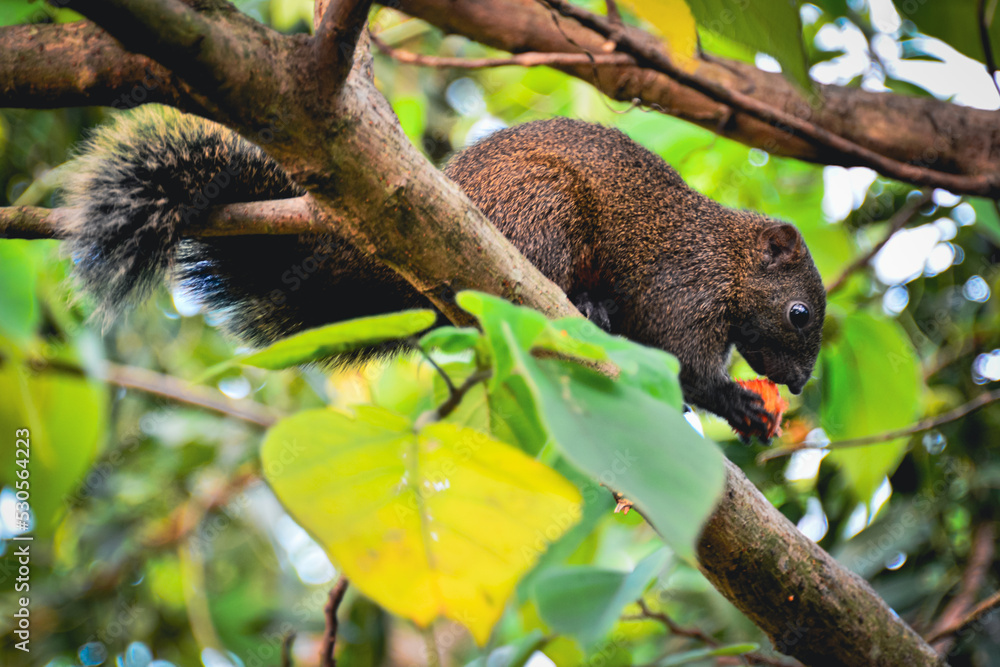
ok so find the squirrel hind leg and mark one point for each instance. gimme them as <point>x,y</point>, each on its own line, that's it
<point>594,309</point>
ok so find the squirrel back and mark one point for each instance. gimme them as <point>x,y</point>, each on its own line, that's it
<point>612,224</point>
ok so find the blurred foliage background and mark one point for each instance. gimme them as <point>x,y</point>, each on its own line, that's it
<point>155,538</point>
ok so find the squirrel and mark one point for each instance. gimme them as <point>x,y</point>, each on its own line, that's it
<point>614,226</point>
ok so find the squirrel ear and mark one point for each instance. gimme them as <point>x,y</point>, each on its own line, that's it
<point>779,244</point>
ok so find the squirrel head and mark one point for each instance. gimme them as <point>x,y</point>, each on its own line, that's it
<point>780,308</point>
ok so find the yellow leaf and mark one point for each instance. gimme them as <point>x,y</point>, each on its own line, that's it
<point>674,22</point>
<point>440,522</point>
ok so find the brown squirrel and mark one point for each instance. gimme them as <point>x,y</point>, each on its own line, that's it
<point>638,252</point>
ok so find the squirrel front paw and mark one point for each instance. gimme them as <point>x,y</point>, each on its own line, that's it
<point>746,413</point>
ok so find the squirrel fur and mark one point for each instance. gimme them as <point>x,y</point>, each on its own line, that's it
<point>614,226</point>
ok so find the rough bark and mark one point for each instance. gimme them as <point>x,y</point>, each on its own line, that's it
<point>807,603</point>
<point>343,144</point>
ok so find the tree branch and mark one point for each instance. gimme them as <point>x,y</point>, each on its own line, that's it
<point>698,634</point>
<point>337,38</point>
<point>78,64</point>
<point>923,425</point>
<point>899,220</point>
<point>980,610</point>
<point>956,614</point>
<point>279,216</point>
<point>522,59</point>
<point>809,605</point>
<point>337,593</point>
<point>166,386</point>
<point>208,48</point>
<point>651,53</point>
<point>923,132</point>
<point>369,184</point>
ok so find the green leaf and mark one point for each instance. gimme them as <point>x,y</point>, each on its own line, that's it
<point>65,415</point>
<point>450,340</point>
<point>529,327</point>
<point>987,220</point>
<point>333,339</point>
<point>647,368</point>
<point>632,442</point>
<point>771,26</point>
<point>871,384</point>
<point>440,522</point>
<point>19,312</point>
<point>514,417</point>
<point>955,22</point>
<point>585,602</point>
<point>495,314</point>
<point>700,654</point>
<point>513,655</point>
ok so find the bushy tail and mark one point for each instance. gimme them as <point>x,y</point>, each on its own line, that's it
<point>142,187</point>
<point>142,183</point>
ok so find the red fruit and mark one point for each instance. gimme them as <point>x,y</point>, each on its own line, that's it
<point>773,402</point>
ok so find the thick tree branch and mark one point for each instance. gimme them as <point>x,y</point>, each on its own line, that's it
<point>208,48</point>
<point>923,136</point>
<point>78,64</point>
<point>810,606</point>
<point>337,38</point>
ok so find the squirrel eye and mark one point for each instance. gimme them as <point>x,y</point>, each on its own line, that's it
<point>798,314</point>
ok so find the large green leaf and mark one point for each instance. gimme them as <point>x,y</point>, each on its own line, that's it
<point>631,442</point>
<point>331,340</point>
<point>586,601</point>
<point>955,22</point>
<point>771,26</point>
<point>627,433</point>
<point>19,312</point>
<point>871,384</point>
<point>528,327</point>
<point>437,522</point>
<point>65,416</point>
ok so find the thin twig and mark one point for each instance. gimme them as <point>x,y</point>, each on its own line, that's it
<point>286,649</point>
<point>530,59</point>
<point>980,561</point>
<point>617,25</point>
<point>167,386</point>
<point>899,220</point>
<point>337,593</point>
<point>277,216</point>
<point>453,399</point>
<point>984,38</point>
<point>649,53</point>
<point>921,426</point>
<point>430,360</point>
<point>981,609</point>
<point>698,634</point>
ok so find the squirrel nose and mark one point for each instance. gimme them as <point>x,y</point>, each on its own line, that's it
<point>796,386</point>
